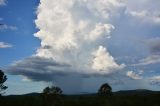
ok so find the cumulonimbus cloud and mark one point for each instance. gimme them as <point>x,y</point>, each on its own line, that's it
<point>73,35</point>
<point>74,29</point>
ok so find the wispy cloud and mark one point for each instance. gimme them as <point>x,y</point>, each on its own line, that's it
<point>147,16</point>
<point>155,80</point>
<point>145,11</point>
<point>152,59</point>
<point>5,45</point>
<point>153,46</point>
<point>2,2</point>
<point>7,27</point>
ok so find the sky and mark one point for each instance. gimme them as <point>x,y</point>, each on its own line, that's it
<point>80,44</point>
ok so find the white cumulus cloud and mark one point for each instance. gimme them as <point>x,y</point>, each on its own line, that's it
<point>133,75</point>
<point>73,29</point>
<point>103,61</point>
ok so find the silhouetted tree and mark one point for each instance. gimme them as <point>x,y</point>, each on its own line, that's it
<point>52,90</point>
<point>51,95</point>
<point>105,89</point>
<point>3,78</point>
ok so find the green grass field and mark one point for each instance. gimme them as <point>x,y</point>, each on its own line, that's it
<point>152,99</point>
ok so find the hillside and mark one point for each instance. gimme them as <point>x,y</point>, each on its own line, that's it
<point>120,98</point>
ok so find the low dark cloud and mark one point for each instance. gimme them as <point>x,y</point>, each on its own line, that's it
<point>45,69</point>
<point>154,45</point>
<point>156,83</point>
<point>46,47</point>
<point>63,75</point>
<point>155,80</point>
<point>48,70</point>
<point>38,68</point>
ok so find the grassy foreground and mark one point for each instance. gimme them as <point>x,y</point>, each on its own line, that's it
<point>82,100</point>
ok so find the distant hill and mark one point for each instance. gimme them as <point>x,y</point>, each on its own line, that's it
<point>121,92</point>
<point>128,92</point>
<point>33,94</point>
<point>28,94</point>
<point>142,92</point>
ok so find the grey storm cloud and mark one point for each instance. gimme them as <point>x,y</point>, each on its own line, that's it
<point>44,69</point>
<point>37,68</point>
<point>153,45</point>
<point>47,70</point>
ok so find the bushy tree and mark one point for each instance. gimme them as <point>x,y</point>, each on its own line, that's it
<point>105,89</point>
<point>3,78</point>
<point>52,90</point>
<point>52,96</point>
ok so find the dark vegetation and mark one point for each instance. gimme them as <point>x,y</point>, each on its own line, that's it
<point>3,78</point>
<point>105,90</point>
<point>117,99</point>
<point>52,96</point>
<point>53,90</point>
